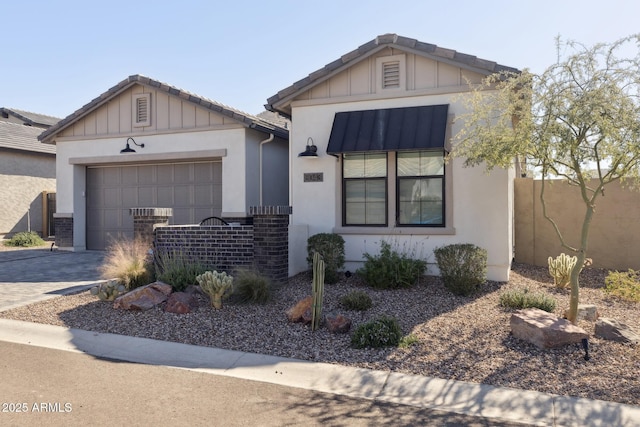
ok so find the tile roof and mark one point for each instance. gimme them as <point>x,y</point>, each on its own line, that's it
<point>462,60</point>
<point>15,136</point>
<point>33,119</point>
<point>243,118</point>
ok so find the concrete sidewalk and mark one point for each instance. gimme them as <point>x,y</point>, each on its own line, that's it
<point>497,403</point>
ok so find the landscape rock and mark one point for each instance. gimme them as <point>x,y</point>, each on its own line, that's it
<point>297,312</point>
<point>338,324</point>
<point>195,290</point>
<point>585,312</point>
<point>545,330</point>
<point>613,330</point>
<point>144,297</point>
<point>181,303</point>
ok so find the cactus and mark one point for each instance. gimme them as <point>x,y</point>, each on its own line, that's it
<point>317,291</point>
<point>217,285</point>
<point>560,269</point>
<point>109,290</point>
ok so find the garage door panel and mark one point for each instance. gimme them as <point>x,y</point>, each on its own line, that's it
<point>165,196</point>
<point>111,176</point>
<point>183,173</point>
<point>146,196</point>
<point>193,190</point>
<point>203,195</point>
<point>146,175</point>
<point>182,195</point>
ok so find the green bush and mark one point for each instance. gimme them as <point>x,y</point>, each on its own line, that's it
<point>390,269</point>
<point>25,239</point>
<point>625,285</point>
<point>407,341</point>
<point>331,247</point>
<point>463,267</point>
<point>249,286</point>
<point>129,262</point>
<point>522,298</point>
<point>356,300</point>
<point>178,269</point>
<point>382,332</point>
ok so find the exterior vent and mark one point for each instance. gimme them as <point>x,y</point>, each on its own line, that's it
<point>142,110</point>
<point>391,75</point>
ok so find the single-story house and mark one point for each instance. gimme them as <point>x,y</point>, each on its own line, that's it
<point>144,143</point>
<point>27,172</point>
<point>369,134</point>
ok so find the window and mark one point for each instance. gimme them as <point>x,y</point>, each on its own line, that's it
<point>365,189</point>
<point>420,180</point>
<point>417,183</point>
<point>142,109</point>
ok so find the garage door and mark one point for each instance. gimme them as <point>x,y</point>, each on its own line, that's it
<point>193,190</point>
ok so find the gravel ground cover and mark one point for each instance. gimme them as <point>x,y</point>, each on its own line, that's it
<point>459,338</point>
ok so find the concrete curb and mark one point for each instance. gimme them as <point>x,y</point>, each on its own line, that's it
<point>505,404</point>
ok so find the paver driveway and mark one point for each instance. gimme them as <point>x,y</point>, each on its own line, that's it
<point>30,275</point>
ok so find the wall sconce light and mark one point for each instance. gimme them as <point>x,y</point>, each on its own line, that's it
<point>311,150</point>
<point>128,149</point>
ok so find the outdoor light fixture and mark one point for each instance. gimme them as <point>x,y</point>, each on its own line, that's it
<point>585,346</point>
<point>128,149</point>
<point>311,150</point>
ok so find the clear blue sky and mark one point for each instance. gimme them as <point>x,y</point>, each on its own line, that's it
<point>57,55</point>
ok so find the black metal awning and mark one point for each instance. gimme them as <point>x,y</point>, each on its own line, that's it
<point>390,129</point>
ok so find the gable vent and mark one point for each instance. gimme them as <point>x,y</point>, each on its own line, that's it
<point>142,109</point>
<point>391,75</point>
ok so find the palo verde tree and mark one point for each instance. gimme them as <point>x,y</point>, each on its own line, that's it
<point>579,121</point>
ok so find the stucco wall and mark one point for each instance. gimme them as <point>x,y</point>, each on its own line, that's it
<point>23,178</point>
<point>614,238</point>
<point>481,202</point>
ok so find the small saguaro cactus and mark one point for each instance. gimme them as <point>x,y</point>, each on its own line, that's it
<point>317,291</point>
<point>560,269</point>
<point>217,285</point>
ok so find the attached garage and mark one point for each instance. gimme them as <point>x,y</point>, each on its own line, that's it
<point>193,190</point>
<point>147,144</point>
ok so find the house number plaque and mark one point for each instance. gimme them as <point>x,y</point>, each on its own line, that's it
<point>313,177</point>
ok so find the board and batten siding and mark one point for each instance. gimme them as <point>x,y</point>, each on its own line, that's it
<point>421,74</point>
<point>168,113</point>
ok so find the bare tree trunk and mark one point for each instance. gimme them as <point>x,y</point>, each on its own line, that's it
<point>575,272</point>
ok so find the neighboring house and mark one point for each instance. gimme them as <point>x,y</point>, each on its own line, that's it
<point>381,121</point>
<point>27,169</point>
<point>144,143</point>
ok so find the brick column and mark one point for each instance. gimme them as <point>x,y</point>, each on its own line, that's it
<point>145,220</point>
<point>63,228</point>
<point>271,240</point>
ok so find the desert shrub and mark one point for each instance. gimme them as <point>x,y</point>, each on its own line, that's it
<point>249,286</point>
<point>356,300</point>
<point>331,247</point>
<point>390,269</point>
<point>522,298</point>
<point>129,262</point>
<point>407,341</point>
<point>463,267</point>
<point>625,284</point>
<point>382,332</point>
<point>178,269</point>
<point>25,239</point>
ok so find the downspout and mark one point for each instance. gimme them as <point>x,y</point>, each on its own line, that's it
<point>271,138</point>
